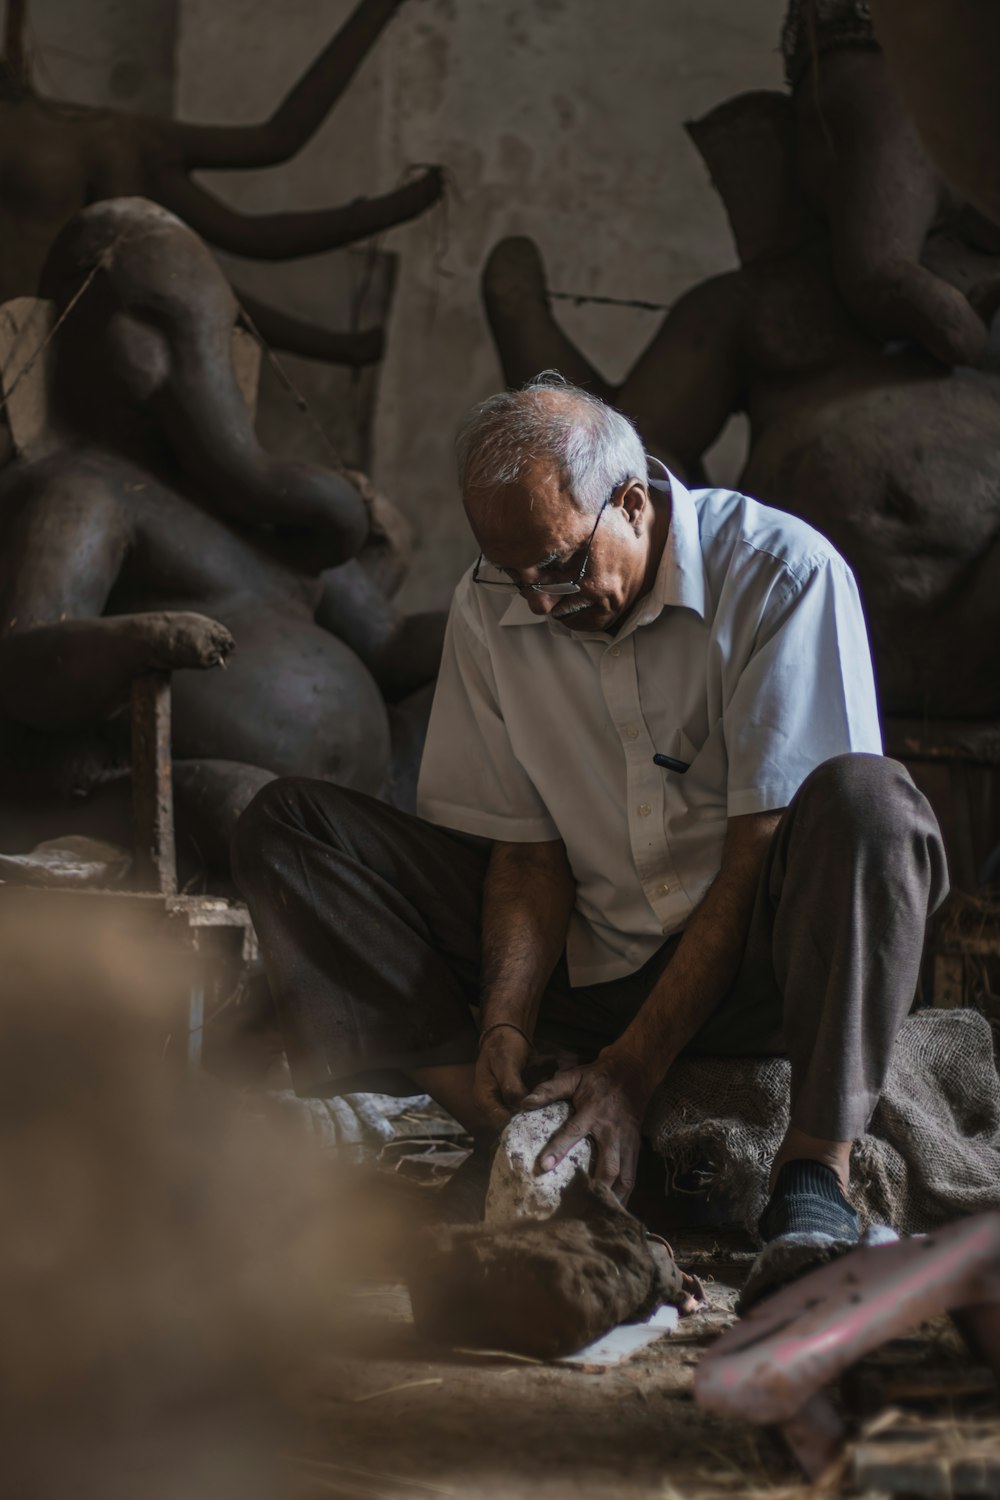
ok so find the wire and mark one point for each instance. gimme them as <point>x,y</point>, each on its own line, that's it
<point>578,298</point>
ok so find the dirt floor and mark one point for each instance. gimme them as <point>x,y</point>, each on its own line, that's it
<point>393,1418</point>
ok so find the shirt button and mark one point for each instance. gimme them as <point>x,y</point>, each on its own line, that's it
<point>631,733</point>
<point>644,809</point>
<point>664,890</point>
<point>615,651</point>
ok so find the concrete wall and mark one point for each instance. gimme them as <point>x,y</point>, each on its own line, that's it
<point>560,119</point>
<point>106,52</point>
<point>557,118</point>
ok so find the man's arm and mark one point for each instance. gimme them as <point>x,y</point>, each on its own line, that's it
<point>527,900</point>
<point>611,1095</point>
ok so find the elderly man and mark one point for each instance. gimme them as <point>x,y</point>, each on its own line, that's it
<point>656,719</point>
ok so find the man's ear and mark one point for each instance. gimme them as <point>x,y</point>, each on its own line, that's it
<point>634,499</point>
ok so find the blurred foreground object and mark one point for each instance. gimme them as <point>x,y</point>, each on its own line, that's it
<point>771,1366</point>
<point>167,1264</point>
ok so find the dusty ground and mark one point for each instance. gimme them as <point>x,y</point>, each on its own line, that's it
<point>391,1418</point>
<point>395,1418</point>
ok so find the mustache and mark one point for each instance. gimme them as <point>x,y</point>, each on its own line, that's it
<point>562,610</point>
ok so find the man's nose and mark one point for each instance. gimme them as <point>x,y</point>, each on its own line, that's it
<point>540,604</point>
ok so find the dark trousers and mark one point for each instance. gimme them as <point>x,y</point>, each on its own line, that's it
<point>369,923</point>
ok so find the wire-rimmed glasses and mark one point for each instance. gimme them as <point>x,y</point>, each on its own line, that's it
<point>570,586</point>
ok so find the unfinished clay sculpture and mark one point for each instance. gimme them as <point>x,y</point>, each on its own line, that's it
<point>147,530</point>
<point>861,163</point>
<point>57,157</point>
<point>942,58</point>
<point>544,1287</point>
<point>891,454</point>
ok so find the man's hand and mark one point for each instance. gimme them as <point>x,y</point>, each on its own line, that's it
<point>499,1083</point>
<point>608,1099</point>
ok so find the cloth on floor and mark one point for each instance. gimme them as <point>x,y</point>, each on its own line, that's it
<point>932,1151</point>
<point>357,1124</point>
<point>69,861</point>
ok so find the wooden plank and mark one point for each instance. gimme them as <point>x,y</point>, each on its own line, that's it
<point>152,785</point>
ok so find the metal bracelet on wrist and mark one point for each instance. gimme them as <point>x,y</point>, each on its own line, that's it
<point>496,1026</point>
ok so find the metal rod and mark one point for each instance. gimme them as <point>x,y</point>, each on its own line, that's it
<point>152,785</point>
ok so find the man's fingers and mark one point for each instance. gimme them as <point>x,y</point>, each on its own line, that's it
<point>495,1111</point>
<point>562,1086</point>
<point>510,1085</point>
<point>489,1097</point>
<point>623,1188</point>
<point>609,1163</point>
<point>626,1175</point>
<point>563,1141</point>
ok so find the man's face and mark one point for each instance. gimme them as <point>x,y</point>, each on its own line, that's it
<point>534,533</point>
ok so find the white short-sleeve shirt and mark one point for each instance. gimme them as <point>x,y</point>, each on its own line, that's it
<point>748,662</point>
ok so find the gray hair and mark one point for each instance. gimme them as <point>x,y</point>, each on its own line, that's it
<point>592,446</point>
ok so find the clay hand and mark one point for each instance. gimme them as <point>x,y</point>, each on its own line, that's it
<point>499,1083</point>
<point>608,1099</point>
<point>183,639</point>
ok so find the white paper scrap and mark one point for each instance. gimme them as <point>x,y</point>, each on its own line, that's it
<point>625,1340</point>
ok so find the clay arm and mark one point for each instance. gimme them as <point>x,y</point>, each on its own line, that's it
<point>281,331</point>
<point>62,666</point>
<point>285,236</point>
<point>402,652</point>
<point>860,154</point>
<point>299,116</point>
<point>690,379</point>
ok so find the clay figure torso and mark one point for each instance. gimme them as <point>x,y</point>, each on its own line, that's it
<point>154,533</point>
<point>897,461</point>
<point>295,699</point>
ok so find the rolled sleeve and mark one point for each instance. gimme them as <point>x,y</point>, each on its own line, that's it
<point>470,778</point>
<point>807,692</point>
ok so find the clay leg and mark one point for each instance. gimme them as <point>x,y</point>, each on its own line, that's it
<point>861,159</point>
<point>527,336</point>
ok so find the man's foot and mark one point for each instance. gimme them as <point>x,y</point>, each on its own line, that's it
<point>807,1199</point>
<point>806,1223</point>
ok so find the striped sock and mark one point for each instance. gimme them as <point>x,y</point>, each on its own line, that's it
<point>807,1199</point>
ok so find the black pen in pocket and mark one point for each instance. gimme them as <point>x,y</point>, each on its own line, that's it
<point>671,763</point>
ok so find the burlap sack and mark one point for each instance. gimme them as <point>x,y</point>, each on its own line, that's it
<point>932,1151</point>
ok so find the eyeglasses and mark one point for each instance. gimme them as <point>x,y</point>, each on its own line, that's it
<point>558,589</point>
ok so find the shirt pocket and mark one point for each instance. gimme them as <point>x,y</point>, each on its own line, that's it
<point>706,780</point>
<point>678,747</point>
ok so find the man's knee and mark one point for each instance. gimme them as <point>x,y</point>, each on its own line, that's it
<point>871,799</point>
<point>279,813</point>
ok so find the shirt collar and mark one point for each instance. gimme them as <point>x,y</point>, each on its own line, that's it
<point>680,577</point>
